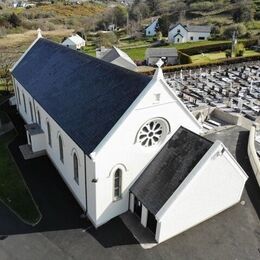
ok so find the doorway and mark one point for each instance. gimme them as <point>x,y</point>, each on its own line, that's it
<point>138,208</point>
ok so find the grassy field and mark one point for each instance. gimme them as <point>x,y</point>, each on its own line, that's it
<point>209,57</point>
<point>13,190</point>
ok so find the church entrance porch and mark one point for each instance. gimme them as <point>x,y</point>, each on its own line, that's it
<point>146,218</point>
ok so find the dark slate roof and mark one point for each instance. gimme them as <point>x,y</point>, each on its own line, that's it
<point>198,28</point>
<point>193,28</point>
<point>161,52</point>
<point>111,55</point>
<point>84,95</point>
<point>169,168</point>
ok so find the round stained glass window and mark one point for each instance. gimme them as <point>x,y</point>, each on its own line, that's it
<point>152,132</point>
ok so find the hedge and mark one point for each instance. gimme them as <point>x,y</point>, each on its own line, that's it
<point>216,47</point>
<point>184,58</point>
<point>205,64</point>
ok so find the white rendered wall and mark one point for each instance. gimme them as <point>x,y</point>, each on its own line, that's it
<point>124,63</point>
<point>38,142</point>
<point>120,147</point>
<point>214,185</point>
<point>65,169</point>
<point>174,31</point>
<point>150,30</point>
<point>186,35</point>
<point>197,35</point>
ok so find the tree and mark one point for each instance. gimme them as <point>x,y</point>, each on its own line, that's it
<point>120,15</point>
<point>244,13</point>
<point>164,23</point>
<point>107,39</point>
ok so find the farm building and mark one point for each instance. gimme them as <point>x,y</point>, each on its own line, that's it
<point>168,55</point>
<point>74,42</point>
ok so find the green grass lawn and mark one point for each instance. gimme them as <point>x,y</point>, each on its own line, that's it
<point>209,57</point>
<point>13,190</point>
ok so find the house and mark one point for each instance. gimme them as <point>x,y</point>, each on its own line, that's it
<point>184,33</point>
<point>122,140</point>
<point>168,55</point>
<point>74,42</point>
<point>119,58</point>
<point>150,30</point>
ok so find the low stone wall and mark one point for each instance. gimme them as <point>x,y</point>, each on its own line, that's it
<point>253,158</point>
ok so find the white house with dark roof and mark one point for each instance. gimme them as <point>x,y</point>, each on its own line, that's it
<point>122,141</point>
<point>74,42</point>
<point>119,58</point>
<point>187,33</point>
<point>150,30</point>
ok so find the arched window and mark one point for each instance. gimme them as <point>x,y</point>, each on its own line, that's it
<point>76,168</point>
<point>61,149</point>
<point>117,184</point>
<point>49,133</point>
<point>39,117</point>
<point>24,104</point>
<point>31,111</point>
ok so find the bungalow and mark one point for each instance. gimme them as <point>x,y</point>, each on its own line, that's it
<point>122,141</point>
<point>184,33</point>
<point>168,55</point>
<point>74,42</point>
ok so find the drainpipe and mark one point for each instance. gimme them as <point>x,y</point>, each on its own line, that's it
<point>85,169</point>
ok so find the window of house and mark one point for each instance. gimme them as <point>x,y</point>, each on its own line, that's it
<point>152,132</point>
<point>76,168</point>
<point>49,133</point>
<point>39,117</point>
<point>19,97</point>
<point>178,31</point>
<point>191,38</point>
<point>201,38</point>
<point>61,149</point>
<point>117,184</point>
<point>31,111</point>
<point>24,104</point>
<point>178,40</point>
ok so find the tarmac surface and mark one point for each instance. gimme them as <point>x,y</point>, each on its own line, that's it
<point>62,234</point>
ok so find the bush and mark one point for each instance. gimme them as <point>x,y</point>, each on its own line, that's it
<point>239,28</point>
<point>239,50</point>
<point>228,53</point>
<point>202,6</point>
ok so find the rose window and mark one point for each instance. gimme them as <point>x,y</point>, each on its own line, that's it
<point>152,132</point>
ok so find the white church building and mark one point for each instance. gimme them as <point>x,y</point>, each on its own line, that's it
<point>122,141</point>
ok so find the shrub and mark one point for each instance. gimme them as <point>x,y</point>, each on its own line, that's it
<point>239,28</point>
<point>239,50</point>
<point>228,53</point>
<point>202,6</point>
<point>14,20</point>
